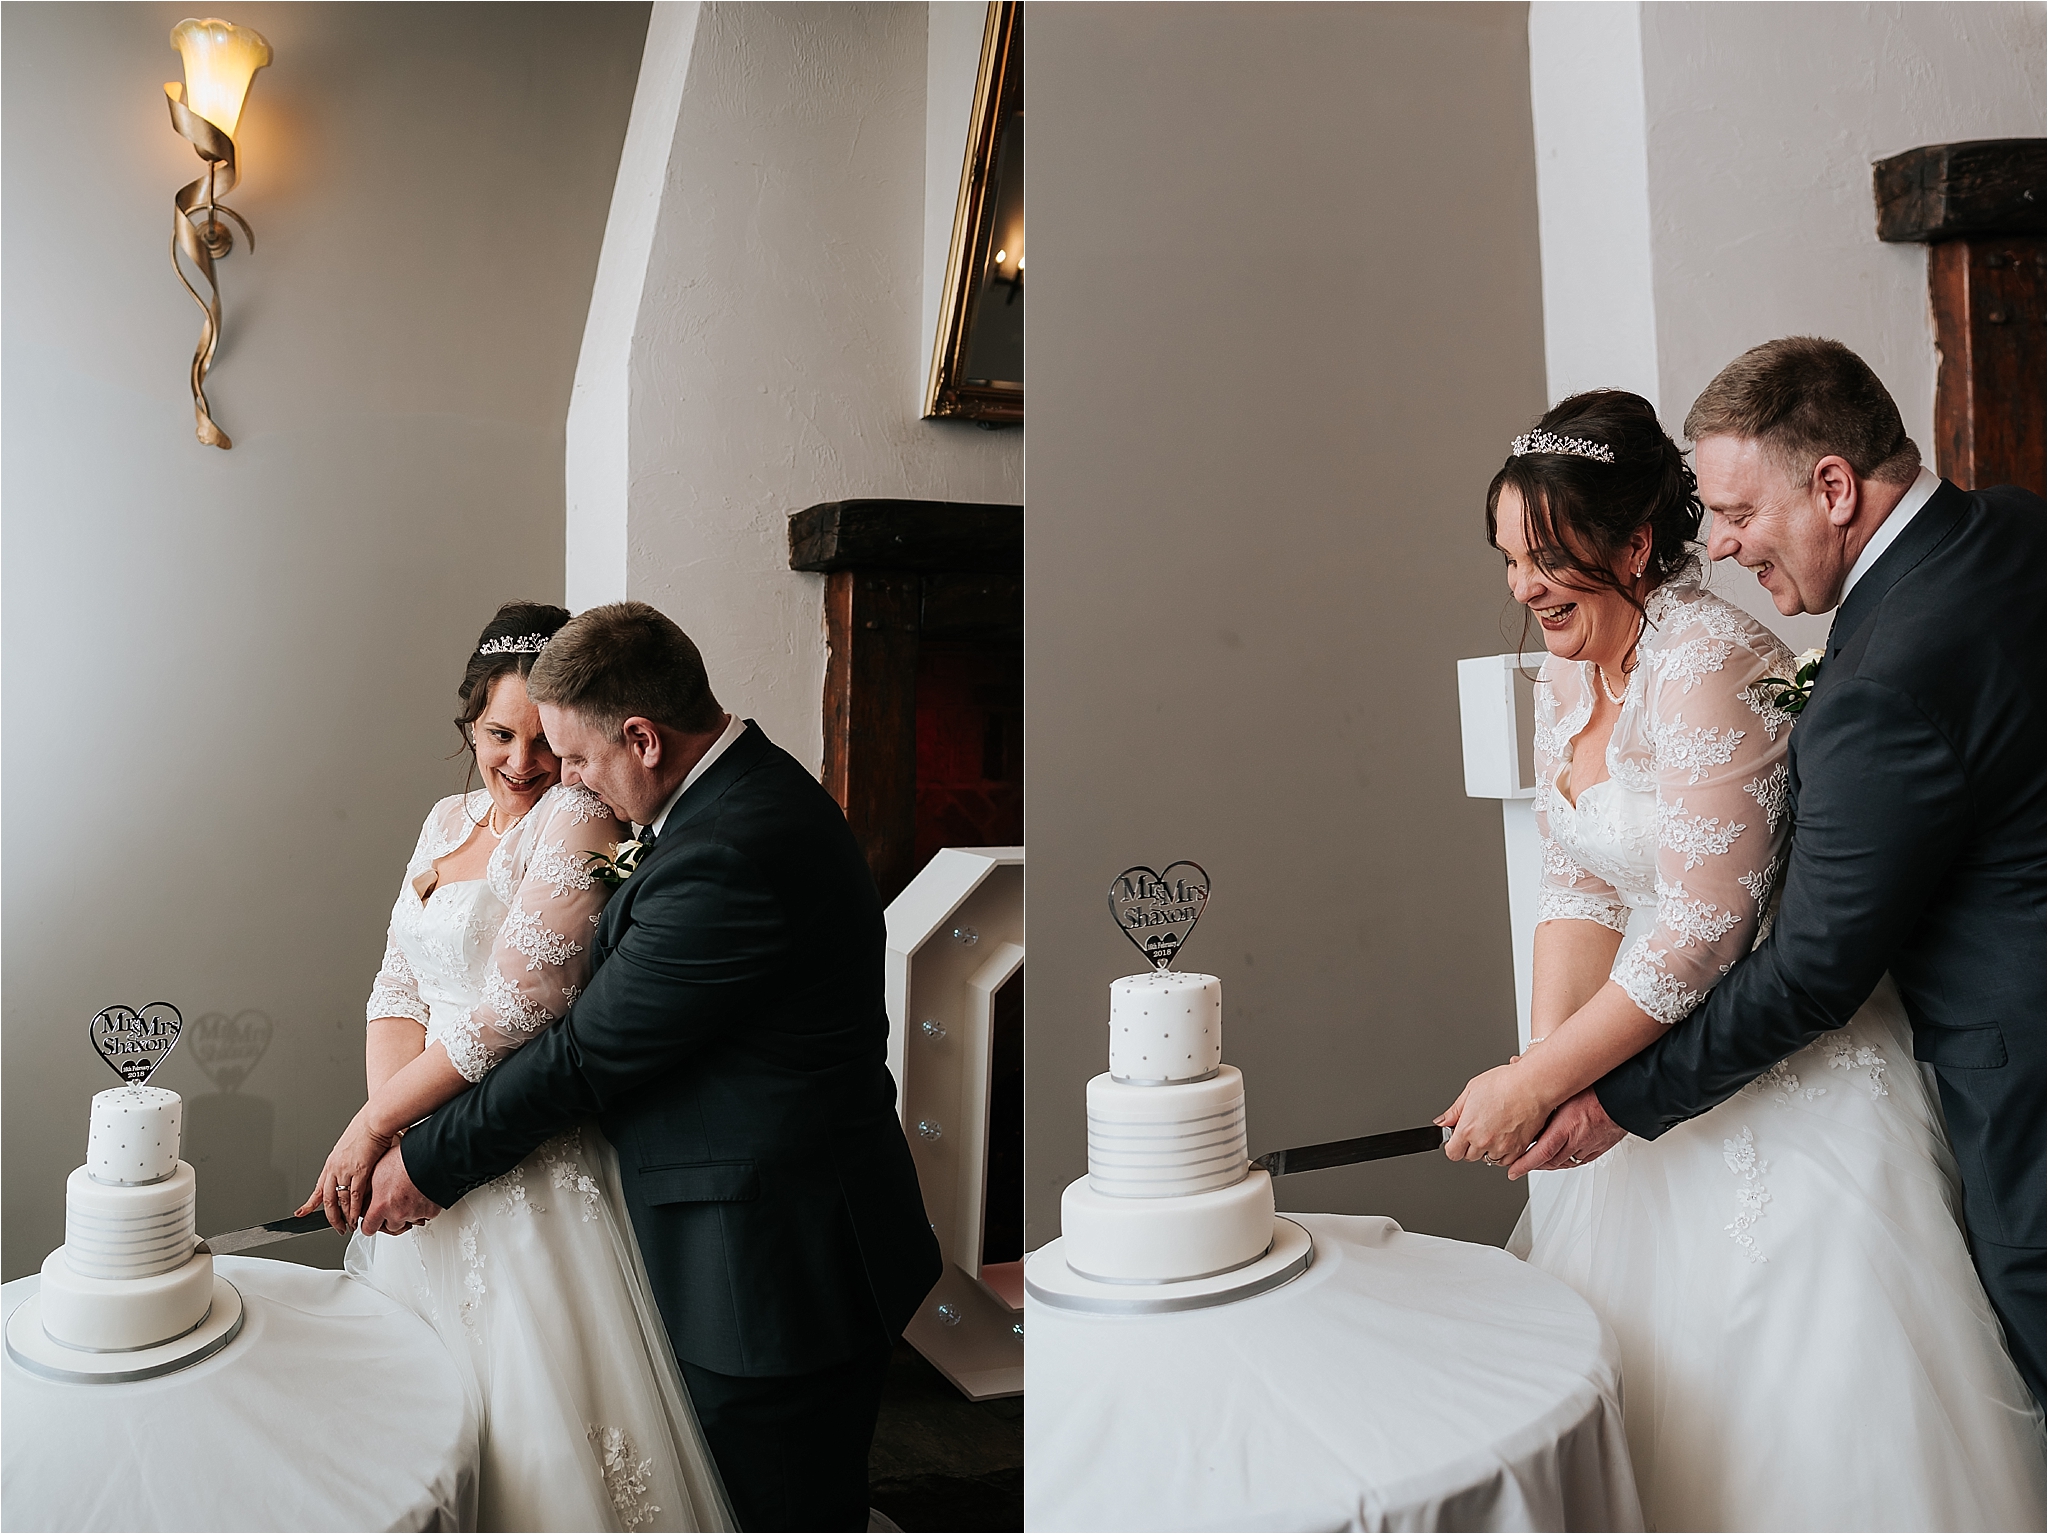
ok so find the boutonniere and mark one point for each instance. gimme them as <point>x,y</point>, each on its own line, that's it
<point>617,867</point>
<point>1791,693</point>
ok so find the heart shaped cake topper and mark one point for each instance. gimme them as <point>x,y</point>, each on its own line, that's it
<point>135,1043</point>
<point>1158,911</point>
<point>227,1048</point>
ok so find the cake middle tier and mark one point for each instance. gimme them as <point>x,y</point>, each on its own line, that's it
<point>116,1232</point>
<point>1166,1141</point>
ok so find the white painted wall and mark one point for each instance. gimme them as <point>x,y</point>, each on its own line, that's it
<point>596,458</point>
<point>1759,123</point>
<point>229,676</point>
<point>1593,196</point>
<point>777,335</point>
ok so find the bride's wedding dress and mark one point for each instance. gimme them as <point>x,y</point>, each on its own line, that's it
<point>1804,1342</point>
<point>534,1281</point>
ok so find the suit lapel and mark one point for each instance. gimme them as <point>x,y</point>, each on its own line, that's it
<point>1937,518</point>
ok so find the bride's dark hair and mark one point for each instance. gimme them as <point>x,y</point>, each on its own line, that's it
<point>1579,512</point>
<point>515,621</point>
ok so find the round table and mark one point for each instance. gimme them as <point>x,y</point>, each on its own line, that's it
<point>335,1408</point>
<point>1403,1382</point>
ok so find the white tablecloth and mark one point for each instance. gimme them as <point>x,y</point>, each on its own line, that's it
<point>1403,1382</point>
<point>334,1409</point>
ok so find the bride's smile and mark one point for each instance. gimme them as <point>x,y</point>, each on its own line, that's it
<point>512,751</point>
<point>1580,621</point>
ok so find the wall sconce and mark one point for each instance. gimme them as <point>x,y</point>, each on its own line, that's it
<point>220,60</point>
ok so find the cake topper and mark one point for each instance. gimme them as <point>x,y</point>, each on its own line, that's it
<point>135,1043</point>
<point>1158,911</point>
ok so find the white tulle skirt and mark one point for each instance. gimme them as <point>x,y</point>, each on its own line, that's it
<point>536,1286</point>
<point>1804,1342</point>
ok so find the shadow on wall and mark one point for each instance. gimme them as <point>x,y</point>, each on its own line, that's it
<point>231,1138</point>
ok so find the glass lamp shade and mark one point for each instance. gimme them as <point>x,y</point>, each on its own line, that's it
<point>220,60</point>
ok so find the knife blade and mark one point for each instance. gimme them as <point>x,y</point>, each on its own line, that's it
<point>262,1235</point>
<point>1313,1158</point>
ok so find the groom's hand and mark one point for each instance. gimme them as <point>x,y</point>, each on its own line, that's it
<point>395,1204</point>
<point>1578,1133</point>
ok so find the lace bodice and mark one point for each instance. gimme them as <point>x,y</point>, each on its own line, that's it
<point>1691,821</point>
<point>484,964</point>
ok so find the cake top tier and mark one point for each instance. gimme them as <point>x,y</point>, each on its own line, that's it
<point>1165,1027</point>
<point>134,1135</point>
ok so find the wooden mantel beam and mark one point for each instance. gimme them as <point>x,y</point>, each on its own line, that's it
<point>1982,209</point>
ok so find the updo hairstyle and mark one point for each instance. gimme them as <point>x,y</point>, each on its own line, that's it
<point>1579,513</point>
<point>515,621</point>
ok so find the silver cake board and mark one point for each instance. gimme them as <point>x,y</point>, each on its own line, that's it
<point>1049,1280</point>
<point>31,1347</point>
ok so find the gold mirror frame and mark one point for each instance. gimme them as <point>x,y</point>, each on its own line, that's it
<point>998,96</point>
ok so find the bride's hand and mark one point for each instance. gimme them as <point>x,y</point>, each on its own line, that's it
<point>344,1186</point>
<point>1496,1118</point>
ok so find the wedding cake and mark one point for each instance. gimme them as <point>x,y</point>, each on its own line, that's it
<point>131,1273</point>
<point>1172,1215</point>
<point>1169,1195</point>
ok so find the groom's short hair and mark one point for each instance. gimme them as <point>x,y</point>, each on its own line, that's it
<point>622,661</point>
<point>1802,398</point>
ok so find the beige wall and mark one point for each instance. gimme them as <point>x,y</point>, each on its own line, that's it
<point>1286,316</point>
<point>228,676</point>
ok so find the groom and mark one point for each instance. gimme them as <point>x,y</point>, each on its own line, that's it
<point>731,1045</point>
<point>1917,791</point>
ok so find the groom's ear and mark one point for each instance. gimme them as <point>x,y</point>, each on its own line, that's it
<point>1836,490</point>
<point>642,739</point>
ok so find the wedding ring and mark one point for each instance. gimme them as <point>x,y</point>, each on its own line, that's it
<point>1574,1160</point>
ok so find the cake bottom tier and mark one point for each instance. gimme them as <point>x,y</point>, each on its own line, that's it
<point>1163,1240</point>
<point>106,1315</point>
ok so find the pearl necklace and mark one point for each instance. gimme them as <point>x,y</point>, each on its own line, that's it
<point>1601,672</point>
<point>491,824</point>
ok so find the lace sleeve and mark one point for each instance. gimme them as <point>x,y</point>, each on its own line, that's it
<point>1566,891</point>
<point>396,993</point>
<point>542,955</point>
<point>1722,819</point>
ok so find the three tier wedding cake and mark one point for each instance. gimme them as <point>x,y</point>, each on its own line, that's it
<point>1169,1193</point>
<point>132,1291</point>
<point>1172,1214</point>
<point>130,1273</point>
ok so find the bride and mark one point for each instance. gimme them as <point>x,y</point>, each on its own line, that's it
<point>1804,1342</point>
<point>533,1280</point>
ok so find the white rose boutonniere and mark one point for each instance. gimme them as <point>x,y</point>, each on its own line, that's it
<point>1790,693</point>
<point>617,867</point>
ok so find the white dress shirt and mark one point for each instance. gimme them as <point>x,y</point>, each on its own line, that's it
<point>1921,491</point>
<point>734,728</point>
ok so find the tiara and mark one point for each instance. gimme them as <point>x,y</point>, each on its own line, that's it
<point>1544,442</point>
<point>523,644</point>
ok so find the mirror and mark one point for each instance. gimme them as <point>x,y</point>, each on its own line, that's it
<point>978,355</point>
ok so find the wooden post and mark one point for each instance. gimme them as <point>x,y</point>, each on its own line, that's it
<point>899,573</point>
<point>1988,324</point>
<point>871,714</point>
<point>1979,206</point>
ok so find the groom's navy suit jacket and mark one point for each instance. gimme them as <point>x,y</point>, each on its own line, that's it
<point>1917,793</point>
<point>731,1044</point>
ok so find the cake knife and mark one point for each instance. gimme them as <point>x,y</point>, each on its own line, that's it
<point>262,1235</point>
<point>1313,1158</point>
